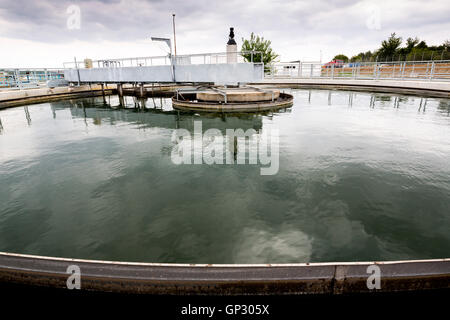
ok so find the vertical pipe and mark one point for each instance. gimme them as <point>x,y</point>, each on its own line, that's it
<point>141,90</point>
<point>120,93</point>
<point>103,93</point>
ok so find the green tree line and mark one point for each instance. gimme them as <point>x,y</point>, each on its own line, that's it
<point>391,49</point>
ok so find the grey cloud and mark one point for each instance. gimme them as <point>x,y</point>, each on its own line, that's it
<point>293,22</point>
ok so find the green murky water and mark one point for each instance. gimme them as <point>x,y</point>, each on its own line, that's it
<point>361,177</point>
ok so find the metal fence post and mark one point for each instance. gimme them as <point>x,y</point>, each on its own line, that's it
<point>332,71</point>
<point>18,80</point>
<point>432,71</point>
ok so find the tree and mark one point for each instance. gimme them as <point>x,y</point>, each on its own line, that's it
<point>422,45</point>
<point>256,43</point>
<point>362,56</point>
<point>414,49</point>
<point>411,43</point>
<point>390,46</point>
<point>341,57</point>
<point>446,44</point>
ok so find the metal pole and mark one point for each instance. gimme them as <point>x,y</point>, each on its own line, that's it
<point>78,71</point>
<point>18,80</point>
<point>174,34</point>
<point>432,70</point>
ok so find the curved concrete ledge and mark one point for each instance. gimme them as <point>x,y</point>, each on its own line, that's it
<point>439,89</point>
<point>284,101</point>
<point>279,279</point>
<point>12,98</point>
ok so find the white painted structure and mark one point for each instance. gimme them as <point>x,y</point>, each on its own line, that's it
<point>199,68</point>
<point>213,73</point>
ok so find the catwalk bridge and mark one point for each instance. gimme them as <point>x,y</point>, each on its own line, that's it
<point>195,68</point>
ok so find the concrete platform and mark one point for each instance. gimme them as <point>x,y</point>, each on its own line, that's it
<point>432,88</point>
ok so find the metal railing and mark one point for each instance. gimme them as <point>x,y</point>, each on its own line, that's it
<point>201,58</point>
<point>397,70</point>
<point>31,77</point>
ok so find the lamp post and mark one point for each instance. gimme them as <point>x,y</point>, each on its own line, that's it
<point>169,44</point>
<point>166,41</point>
<point>174,35</point>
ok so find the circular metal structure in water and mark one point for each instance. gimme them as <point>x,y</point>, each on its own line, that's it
<point>240,99</point>
<point>238,95</point>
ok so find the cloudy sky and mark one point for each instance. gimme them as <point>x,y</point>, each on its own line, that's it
<point>46,33</point>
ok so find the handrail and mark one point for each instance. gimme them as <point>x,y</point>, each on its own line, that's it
<point>208,58</point>
<point>394,70</point>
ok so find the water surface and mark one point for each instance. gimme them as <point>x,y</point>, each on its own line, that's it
<point>361,177</point>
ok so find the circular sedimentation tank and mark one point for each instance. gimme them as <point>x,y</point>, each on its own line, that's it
<point>363,178</point>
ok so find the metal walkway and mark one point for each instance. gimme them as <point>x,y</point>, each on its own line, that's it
<point>196,68</point>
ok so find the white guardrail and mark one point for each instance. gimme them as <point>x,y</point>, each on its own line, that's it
<point>438,70</point>
<point>28,78</point>
<point>200,58</point>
